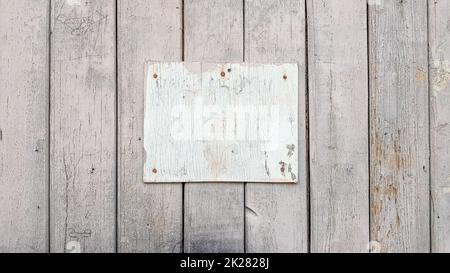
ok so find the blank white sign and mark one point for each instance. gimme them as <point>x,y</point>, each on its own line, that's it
<point>209,122</point>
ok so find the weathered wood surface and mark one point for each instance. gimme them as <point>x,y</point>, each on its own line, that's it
<point>439,65</point>
<point>82,126</point>
<point>213,122</point>
<point>72,140</point>
<point>399,123</point>
<point>338,123</point>
<point>214,213</point>
<point>150,216</point>
<point>277,215</point>
<point>24,83</point>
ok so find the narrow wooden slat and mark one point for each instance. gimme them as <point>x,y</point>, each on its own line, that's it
<point>214,213</point>
<point>150,216</point>
<point>338,103</point>
<point>399,153</point>
<point>83,131</point>
<point>439,64</point>
<point>24,83</point>
<point>276,215</point>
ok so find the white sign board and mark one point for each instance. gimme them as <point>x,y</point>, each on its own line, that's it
<point>208,122</point>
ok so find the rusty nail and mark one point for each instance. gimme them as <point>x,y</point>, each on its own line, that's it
<point>155,171</point>
<point>155,76</point>
<point>222,74</point>
<point>285,77</point>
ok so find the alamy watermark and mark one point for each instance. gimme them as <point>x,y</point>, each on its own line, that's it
<point>209,122</point>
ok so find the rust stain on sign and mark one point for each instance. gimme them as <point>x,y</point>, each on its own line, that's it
<point>209,122</point>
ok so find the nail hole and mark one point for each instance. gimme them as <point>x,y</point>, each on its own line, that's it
<point>229,69</point>
<point>285,77</point>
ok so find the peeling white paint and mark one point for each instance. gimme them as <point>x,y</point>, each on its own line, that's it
<point>221,122</point>
<point>374,2</point>
<point>374,247</point>
<point>440,75</point>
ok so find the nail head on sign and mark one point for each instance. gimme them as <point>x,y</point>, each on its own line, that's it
<point>155,76</point>
<point>222,74</point>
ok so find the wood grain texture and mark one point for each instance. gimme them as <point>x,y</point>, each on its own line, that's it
<point>276,215</point>
<point>439,65</point>
<point>214,213</point>
<point>221,122</point>
<point>399,153</point>
<point>338,103</point>
<point>83,131</point>
<point>24,83</point>
<point>150,216</point>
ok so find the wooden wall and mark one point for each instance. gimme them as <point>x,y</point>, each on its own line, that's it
<point>374,85</point>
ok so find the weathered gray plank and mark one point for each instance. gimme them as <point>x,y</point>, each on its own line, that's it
<point>150,216</point>
<point>24,83</point>
<point>399,144</point>
<point>338,103</point>
<point>83,131</point>
<point>214,213</point>
<point>276,215</point>
<point>439,65</point>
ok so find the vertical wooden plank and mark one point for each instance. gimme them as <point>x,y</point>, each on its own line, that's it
<point>276,215</point>
<point>399,153</point>
<point>150,216</point>
<point>439,34</point>
<point>24,83</point>
<point>338,97</point>
<point>83,131</point>
<point>214,213</point>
